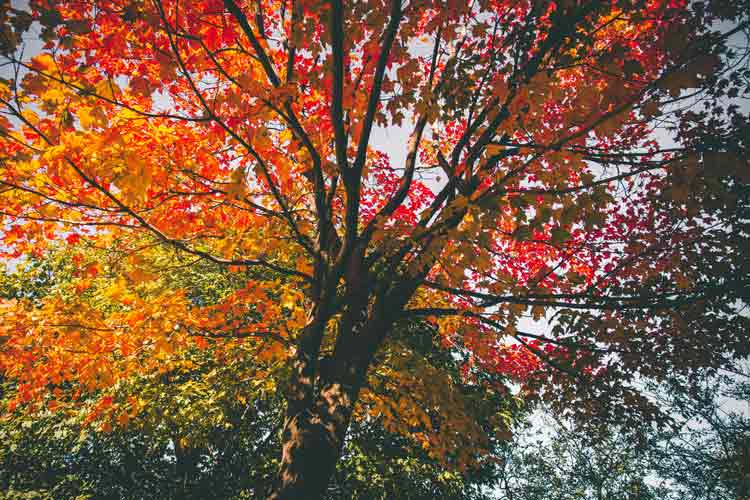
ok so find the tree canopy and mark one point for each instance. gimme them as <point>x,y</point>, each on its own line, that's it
<point>211,171</point>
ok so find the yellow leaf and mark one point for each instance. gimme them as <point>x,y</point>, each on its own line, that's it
<point>105,89</point>
<point>137,180</point>
<point>236,188</point>
<point>54,95</point>
<point>163,346</point>
<point>117,289</point>
<point>43,62</point>
<point>92,117</point>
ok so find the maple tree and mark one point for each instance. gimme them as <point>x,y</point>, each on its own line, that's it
<point>241,134</point>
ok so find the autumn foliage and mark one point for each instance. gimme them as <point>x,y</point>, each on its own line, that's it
<point>577,164</point>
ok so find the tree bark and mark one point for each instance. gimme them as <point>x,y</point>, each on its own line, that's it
<point>311,444</point>
<point>315,429</point>
<point>321,399</point>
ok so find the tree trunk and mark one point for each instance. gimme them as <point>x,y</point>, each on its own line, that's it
<point>322,398</point>
<point>311,445</point>
<point>185,464</point>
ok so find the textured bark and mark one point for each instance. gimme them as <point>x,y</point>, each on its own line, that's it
<point>315,428</point>
<point>311,445</point>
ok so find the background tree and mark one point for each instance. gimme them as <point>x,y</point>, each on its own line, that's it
<point>241,134</point>
<point>567,463</point>
<point>705,452</point>
<point>701,454</point>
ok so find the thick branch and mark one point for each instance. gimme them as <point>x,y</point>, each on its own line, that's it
<point>336,28</point>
